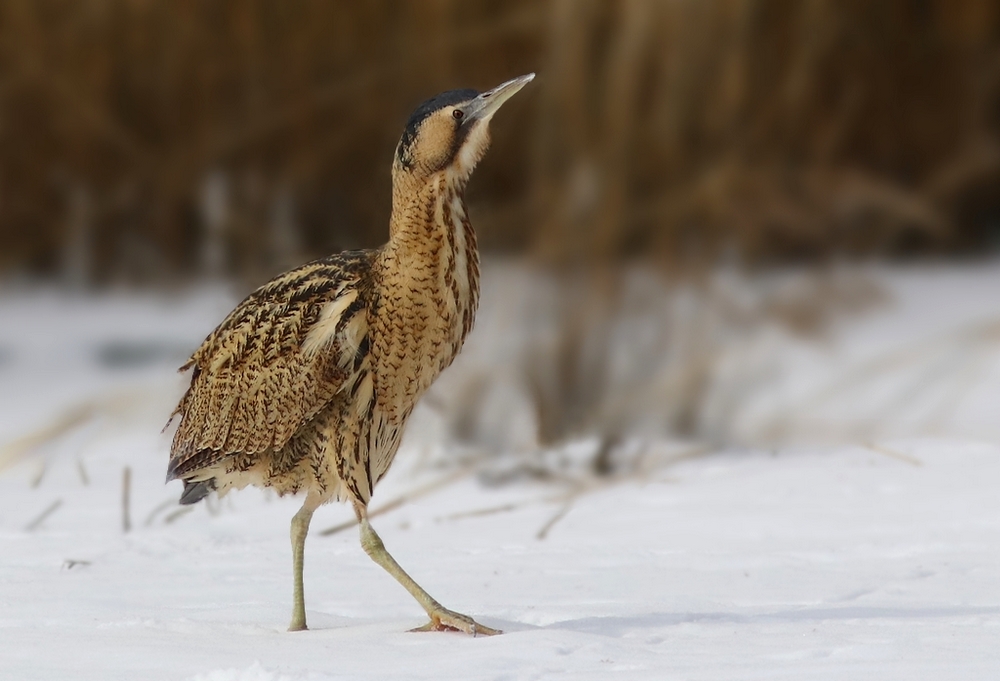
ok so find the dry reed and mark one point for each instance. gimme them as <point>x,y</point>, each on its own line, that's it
<point>142,140</point>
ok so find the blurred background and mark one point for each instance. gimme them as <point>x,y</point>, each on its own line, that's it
<point>711,222</point>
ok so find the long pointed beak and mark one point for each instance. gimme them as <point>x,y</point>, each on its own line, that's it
<point>485,105</point>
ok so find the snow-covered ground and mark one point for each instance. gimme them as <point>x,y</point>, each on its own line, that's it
<point>878,559</point>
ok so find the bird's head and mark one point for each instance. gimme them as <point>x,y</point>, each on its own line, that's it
<point>450,133</point>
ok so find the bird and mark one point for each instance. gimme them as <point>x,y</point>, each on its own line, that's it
<point>307,385</point>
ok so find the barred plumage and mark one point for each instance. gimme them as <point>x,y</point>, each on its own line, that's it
<point>253,384</point>
<point>307,385</point>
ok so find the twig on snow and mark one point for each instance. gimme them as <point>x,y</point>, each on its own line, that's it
<point>126,496</point>
<point>179,513</point>
<point>69,420</point>
<point>893,454</point>
<point>71,563</point>
<point>81,469</point>
<point>559,515</point>
<point>37,522</point>
<point>504,508</point>
<point>160,508</point>
<point>43,467</point>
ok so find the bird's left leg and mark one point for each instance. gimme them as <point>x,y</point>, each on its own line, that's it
<point>442,619</point>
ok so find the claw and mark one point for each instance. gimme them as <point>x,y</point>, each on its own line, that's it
<point>454,621</point>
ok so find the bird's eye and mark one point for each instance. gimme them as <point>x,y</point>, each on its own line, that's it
<point>457,114</point>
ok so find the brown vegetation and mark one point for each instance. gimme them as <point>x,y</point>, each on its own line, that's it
<point>147,138</point>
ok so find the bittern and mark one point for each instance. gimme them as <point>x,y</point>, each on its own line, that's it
<point>306,387</point>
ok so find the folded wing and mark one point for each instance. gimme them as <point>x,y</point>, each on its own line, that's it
<point>282,355</point>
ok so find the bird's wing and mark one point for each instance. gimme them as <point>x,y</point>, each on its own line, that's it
<point>274,362</point>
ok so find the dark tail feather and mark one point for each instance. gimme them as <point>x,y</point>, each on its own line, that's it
<point>196,491</point>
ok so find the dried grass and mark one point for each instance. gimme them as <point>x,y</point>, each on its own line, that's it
<point>777,130</point>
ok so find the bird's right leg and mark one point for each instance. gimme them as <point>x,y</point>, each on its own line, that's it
<point>442,619</point>
<point>300,528</point>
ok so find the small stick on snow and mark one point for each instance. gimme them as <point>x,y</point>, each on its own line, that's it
<point>126,490</point>
<point>485,511</point>
<point>160,508</point>
<point>560,514</point>
<point>84,478</point>
<point>893,454</point>
<point>37,522</point>
<point>23,446</point>
<point>179,513</point>
<point>37,480</point>
<point>71,563</point>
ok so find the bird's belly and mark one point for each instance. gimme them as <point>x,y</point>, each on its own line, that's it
<point>339,455</point>
<point>354,454</point>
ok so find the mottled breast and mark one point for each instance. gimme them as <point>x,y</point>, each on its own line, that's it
<point>427,302</point>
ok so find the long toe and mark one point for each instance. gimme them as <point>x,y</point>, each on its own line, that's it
<point>446,620</point>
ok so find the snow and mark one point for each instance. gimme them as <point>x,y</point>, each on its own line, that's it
<point>873,559</point>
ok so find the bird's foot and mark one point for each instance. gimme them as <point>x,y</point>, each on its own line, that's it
<point>298,624</point>
<point>446,620</point>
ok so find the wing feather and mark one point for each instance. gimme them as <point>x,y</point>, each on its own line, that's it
<point>273,363</point>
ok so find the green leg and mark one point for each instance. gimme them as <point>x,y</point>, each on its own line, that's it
<point>442,619</point>
<point>300,528</point>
